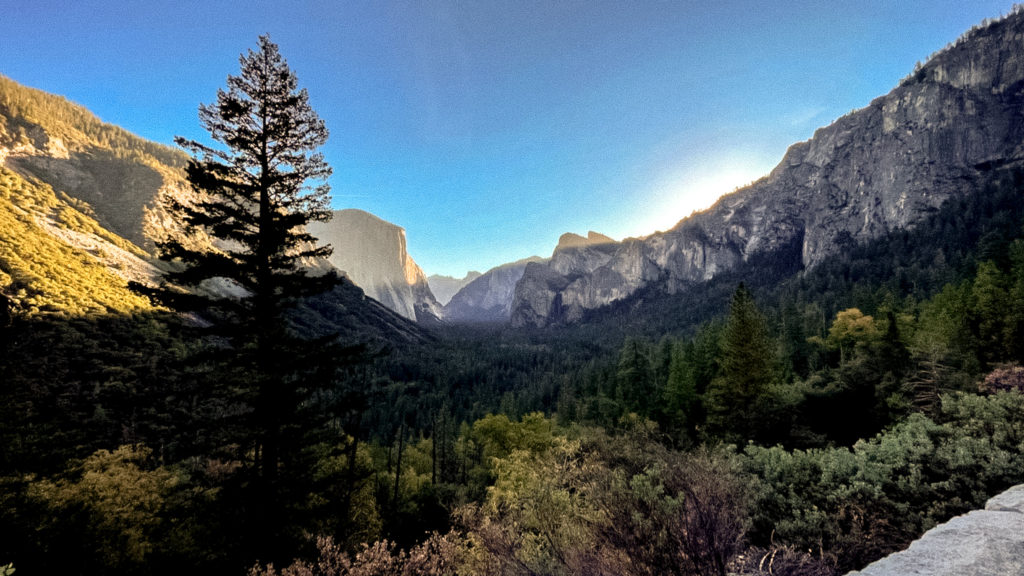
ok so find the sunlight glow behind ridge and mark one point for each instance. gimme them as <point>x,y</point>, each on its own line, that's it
<point>681,193</point>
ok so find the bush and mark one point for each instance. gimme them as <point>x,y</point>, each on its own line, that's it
<point>1004,379</point>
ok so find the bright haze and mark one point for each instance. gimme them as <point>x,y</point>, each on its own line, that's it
<point>486,129</point>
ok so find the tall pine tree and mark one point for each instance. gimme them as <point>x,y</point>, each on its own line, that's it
<point>241,264</point>
<point>748,366</point>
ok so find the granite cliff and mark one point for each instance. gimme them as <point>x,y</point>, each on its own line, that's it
<point>875,170</point>
<point>372,253</point>
<point>488,297</point>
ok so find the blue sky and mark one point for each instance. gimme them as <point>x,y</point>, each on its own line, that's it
<point>487,129</point>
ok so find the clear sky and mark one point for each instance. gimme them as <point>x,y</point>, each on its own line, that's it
<point>488,128</point>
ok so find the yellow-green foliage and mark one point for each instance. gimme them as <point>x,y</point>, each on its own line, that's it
<point>73,214</point>
<point>22,107</point>
<point>544,496</point>
<point>332,469</point>
<point>120,498</point>
<point>498,436</point>
<point>42,274</point>
<point>852,328</point>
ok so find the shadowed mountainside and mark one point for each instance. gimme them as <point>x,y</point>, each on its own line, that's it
<point>873,171</point>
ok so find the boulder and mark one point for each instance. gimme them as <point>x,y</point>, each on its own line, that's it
<point>987,542</point>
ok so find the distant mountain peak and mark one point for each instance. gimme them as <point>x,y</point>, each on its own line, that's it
<point>444,287</point>
<point>488,298</point>
<point>571,240</point>
<point>372,252</point>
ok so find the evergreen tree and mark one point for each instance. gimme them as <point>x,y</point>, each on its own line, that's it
<point>992,310</point>
<point>680,394</point>
<point>1015,322</point>
<point>748,366</point>
<point>634,379</point>
<point>893,355</point>
<point>240,263</point>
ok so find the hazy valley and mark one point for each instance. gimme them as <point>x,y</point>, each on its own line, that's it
<point>817,369</point>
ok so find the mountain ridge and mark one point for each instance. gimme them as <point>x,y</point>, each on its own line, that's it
<point>487,299</point>
<point>870,172</point>
<point>444,287</point>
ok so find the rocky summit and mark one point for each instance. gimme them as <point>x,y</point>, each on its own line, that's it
<point>372,253</point>
<point>875,170</point>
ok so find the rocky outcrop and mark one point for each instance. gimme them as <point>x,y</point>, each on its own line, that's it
<point>488,298</point>
<point>981,543</point>
<point>372,253</point>
<point>119,175</point>
<point>875,170</point>
<point>444,287</point>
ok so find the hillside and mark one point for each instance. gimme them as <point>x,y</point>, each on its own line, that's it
<point>56,259</point>
<point>77,197</point>
<point>874,171</point>
<point>80,207</point>
<point>119,175</point>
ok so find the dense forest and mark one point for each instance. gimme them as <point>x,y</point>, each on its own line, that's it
<point>810,421</point>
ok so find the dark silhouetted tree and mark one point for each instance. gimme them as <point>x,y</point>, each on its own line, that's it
<point>680,395</point>
<point>242,262</point>
<point>992,310</point>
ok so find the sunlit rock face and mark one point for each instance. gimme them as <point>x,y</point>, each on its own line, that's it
<point>372,253</point>
<point>488,297</point>
<point>119,175</point>
<point>875,170</point>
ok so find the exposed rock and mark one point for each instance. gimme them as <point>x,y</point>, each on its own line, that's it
<point>570,240</point>
<point>878,169</point>
<point>125,259</point>
<point>987,542</point>
<point>372,253</point>
<point>487,298</point>
<point>579,270</point>
<point>444,287</point>
<point>119,175</point>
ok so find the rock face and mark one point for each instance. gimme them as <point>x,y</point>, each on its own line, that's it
<point>444,287</point>
<point>488,298</point>
<point>981,543</point>
<point>119,175</point>
<point>881,168</point>
<point>372,253</point>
